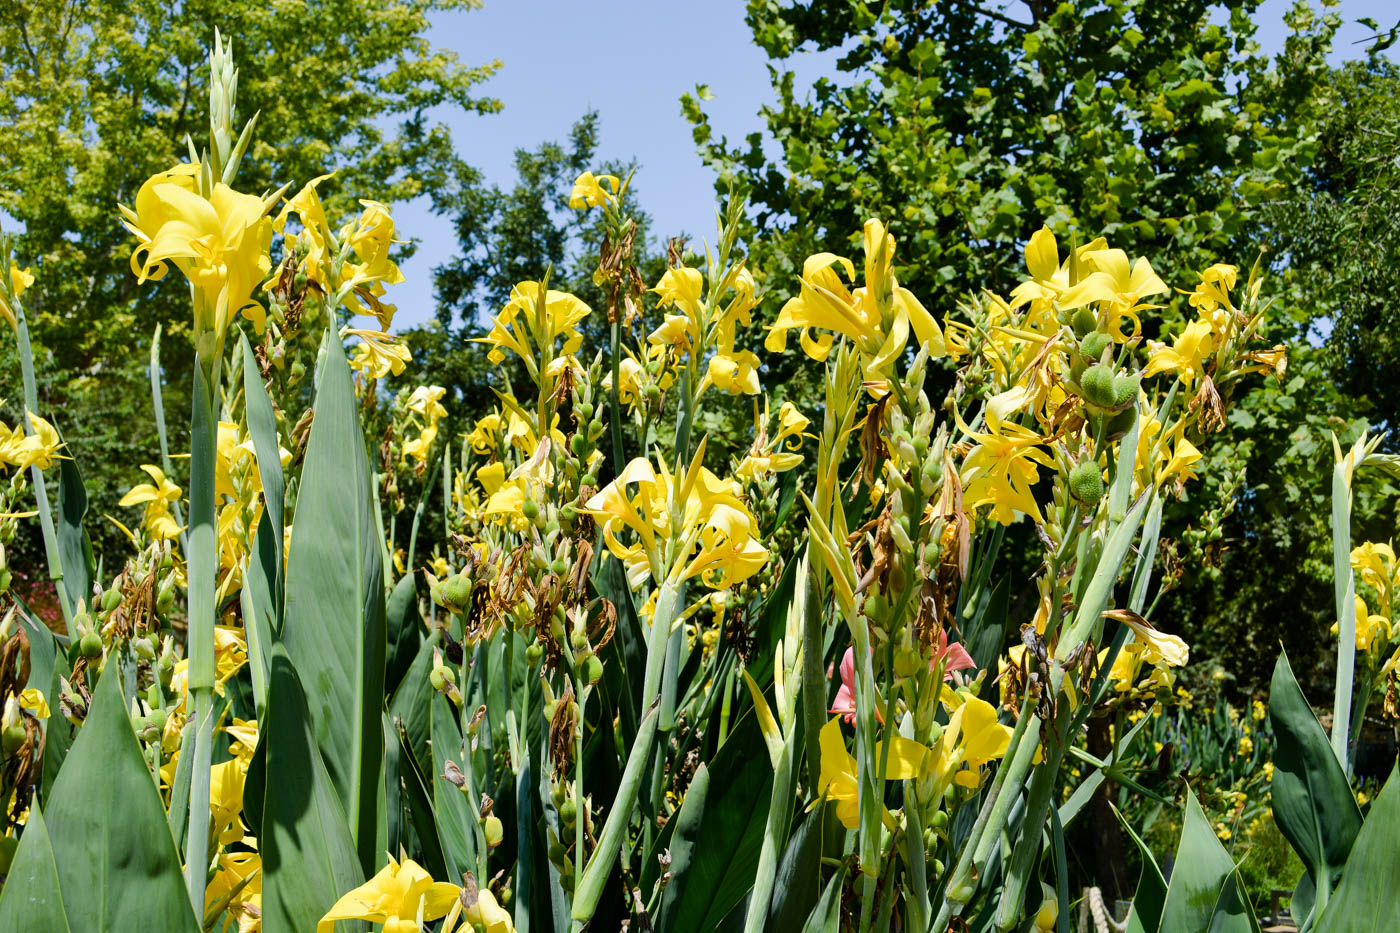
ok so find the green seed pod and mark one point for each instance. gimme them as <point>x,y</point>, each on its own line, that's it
<point>652,394</point>
<point>153,697</point>
<point>144,648</point>
<point>530,510</point>
<point>595,431</point>
<point>559,567</point>
<point>568,812</point>
<point>111,599</point>
<point>1093,345</point>
<point>1086,483</point>
<point>140,724</point>
<point>592,669</point>
<point>579,445</point>
<point>584,410</point>
<point>457,591</point>
<point>1084,322</point>
<point>557,853</point>
<point>90,645</point>
<point>534,652</point>
<point>591,479</point>
<point>1125,389</point>
<point>1097,383</point>
<point>158,719</point>
<point>937,865</point>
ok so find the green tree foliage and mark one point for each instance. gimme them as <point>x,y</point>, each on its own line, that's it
<point>1159,125</point>
<point>95,97</point>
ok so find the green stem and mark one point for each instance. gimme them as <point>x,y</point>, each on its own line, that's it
<point>202,568</point>
<point>1345,588</point>
<point>41,492</point>
<point>614,418</point>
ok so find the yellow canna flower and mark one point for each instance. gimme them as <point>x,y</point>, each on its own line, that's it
<point>484,433</point>
<point>22,451</point>
<point>1187,355</point>
<point>877,318</point>
<point>378,354</point>
<point>791,424</point>
<point>1158,648</point>
<point>33,700</point>
<point>370,236</point>
<point>220,243</point>
<point>838,779</point>
<point>157,495</point>
<point>717,538</point>
<point>1001,470</point>
<point>1118,287</point>
<point>1376,567</point>
<point>594,191</point>
<point>974,736</point>
<point>522,326</point>
<point>398,897</point>
<point>314,243</point>
<point>20,279</point>
<point>226,783</point>
<point>237,887</point>
<point>735,373</point>
<point>1211,299</point>
<point>485,913</point>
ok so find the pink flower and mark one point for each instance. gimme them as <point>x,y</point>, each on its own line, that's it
<point>954,654</point>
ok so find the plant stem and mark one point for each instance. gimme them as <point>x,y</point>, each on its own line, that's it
<point>41,494</point>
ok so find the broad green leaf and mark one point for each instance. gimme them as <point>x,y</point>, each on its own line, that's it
<point>74,548</point>
<point>1151,894</point>
<point>731,826</point>
<point>262,427</point>
<point>1312,799</point>
<point>826,914</point>
<point>42,652</point>
<point>404,631</point>
<point>451,811</point>
<point>799,876</point>
<point>684,840</point>
<point>308,856</point>
<point>334,624</point>
<point>1368,897</point>
<point>111,844</point>
<point>1201,870</point>
<point>411,708</point>
<point>31,899</point>
<point>1233,913</point>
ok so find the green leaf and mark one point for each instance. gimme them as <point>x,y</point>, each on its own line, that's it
<point>262,427</point>
<point>31,898</point>
<point>451,811</point>
<point>1368,897</point>
<point>410,708</point>
<point>1202,870</point>
<point>404,625</point>
<point>734,811</point>
<point>111,844</point>
<point>74,548</point>
<point>334,625</point>
<point>1151,895</point>
<point>1233,913</point>
<point>826,915</point>
<point>684,839</point>
<point>308,855</point>
<point>1312,799</point>
<point>799,876</point>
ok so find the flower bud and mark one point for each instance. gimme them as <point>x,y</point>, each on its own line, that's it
<point>1086,483</point>
<point>144,648</point>
<point>592,670</point>
<point>491,826</point>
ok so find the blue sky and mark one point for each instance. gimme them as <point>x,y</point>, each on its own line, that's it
<point>631,60</point>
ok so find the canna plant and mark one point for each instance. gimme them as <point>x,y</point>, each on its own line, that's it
<point>624,670</point>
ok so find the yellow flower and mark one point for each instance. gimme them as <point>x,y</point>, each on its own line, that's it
<point>396,897</point>
<point>974,736</point>
<point>158,495</point>
<point>1187,355</point>
<point>735,373</point>
<point>717,537</point>
<point>1158,647</point>
<point>1118,287</point>
<point>22,451</point>
<point>876,318</point>
<point>378,354</point>
<point>226,783</point>
<point>1211,299</point>
<point>791,424</point>
<point>314,242</point>
<point>237,883</point>
<point>1001,470</point>
<point>1183,459</point>
<point>1246,746</point>
<point>20,279</point>
<point>487,914</point>
<point>521,326</point>
<point>220,243</point>
<point>484,433</point>
<point>594,191</point>
<point>33,700</point>
<point>370,237</point>
<point>838,775</point>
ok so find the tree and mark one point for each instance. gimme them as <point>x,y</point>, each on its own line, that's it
<point>95,97</point>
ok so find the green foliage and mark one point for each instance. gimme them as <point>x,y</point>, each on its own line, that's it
<point>96,97</point>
